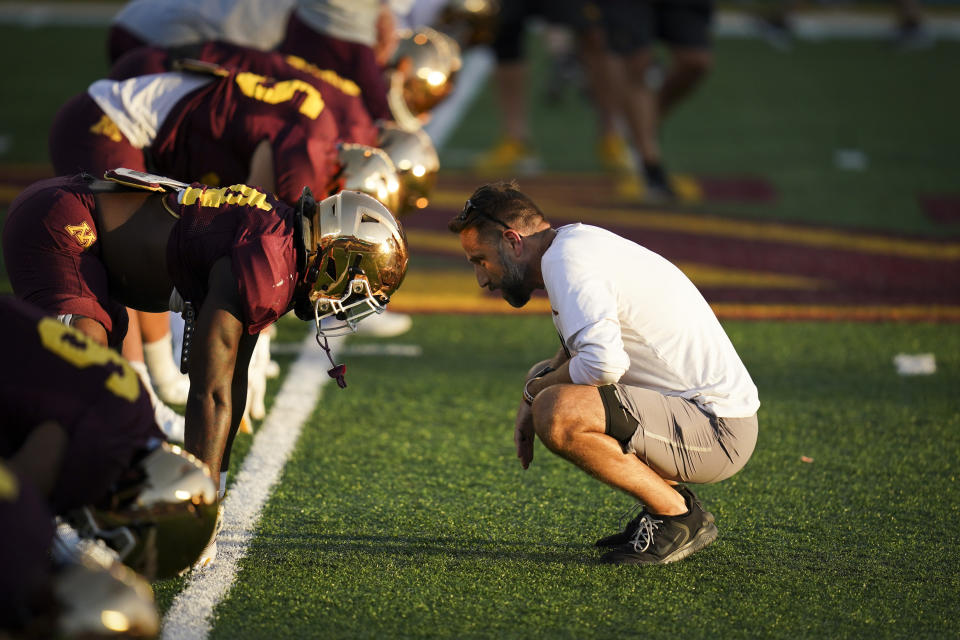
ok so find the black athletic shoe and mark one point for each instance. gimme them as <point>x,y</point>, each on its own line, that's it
<point>617,539</point>
<point>658,189</point>
<point>660,539</point>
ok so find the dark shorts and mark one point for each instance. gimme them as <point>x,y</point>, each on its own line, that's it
<point>52,255</point>
<point>514,16</point>
<point>349,59</point>
<point>83,138</point>
<point>636,24</point>
<point>675,437</point>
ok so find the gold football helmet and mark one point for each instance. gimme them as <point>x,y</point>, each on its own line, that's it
<point>425,61</point>
<point>357,256</point>
<point>161,517</point>
<point>97,601</point>
<point>417,164</point>
<point>371,171</point>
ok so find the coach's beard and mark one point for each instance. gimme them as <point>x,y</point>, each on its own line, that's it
<point>512,285</point>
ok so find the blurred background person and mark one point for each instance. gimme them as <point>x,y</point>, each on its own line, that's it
<point>514,151</point>
<point>645,97</point>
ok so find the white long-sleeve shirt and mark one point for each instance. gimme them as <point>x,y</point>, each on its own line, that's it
<point>628,315</point>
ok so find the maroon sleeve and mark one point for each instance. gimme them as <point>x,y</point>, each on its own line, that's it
<point>305,154</point>
<point>264,262</point>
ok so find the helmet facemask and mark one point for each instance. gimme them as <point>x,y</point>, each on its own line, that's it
<point>357,256</point>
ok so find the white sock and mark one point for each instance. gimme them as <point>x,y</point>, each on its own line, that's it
<point>141,369</point>
<point>159,358</point>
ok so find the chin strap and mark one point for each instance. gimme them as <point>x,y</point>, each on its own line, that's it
<point>339,371</point>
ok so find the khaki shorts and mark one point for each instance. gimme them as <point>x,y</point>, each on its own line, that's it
<point>675,437</point>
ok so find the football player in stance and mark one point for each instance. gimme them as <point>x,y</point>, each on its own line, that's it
<point>79,441</point>
<point>340,95</point>
<point>236,259</point>
<point>213,126</point>
<point>71,595</point>
<point>647,391</point>
<point>353,39</point>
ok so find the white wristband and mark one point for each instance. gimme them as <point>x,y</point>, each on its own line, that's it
<point>527,396</point>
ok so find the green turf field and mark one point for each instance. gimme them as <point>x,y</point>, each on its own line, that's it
<point>404,513</point>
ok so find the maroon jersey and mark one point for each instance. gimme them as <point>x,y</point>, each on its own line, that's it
<point>253,229</point>
<point>340,96</point>
<point>349,59</point>
<point>51,249</point>
<point>57,373</point>
<point>210,135</point>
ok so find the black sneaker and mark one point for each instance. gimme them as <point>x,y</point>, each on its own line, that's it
<point>658,185</point>
<point>617,539</point>
<point>660,539</point>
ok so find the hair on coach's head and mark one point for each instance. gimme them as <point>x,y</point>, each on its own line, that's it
<point>497,206</point>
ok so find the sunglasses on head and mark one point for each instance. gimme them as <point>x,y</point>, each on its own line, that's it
<point>469,210</point>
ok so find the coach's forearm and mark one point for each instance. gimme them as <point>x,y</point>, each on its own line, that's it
<point>559,376</point>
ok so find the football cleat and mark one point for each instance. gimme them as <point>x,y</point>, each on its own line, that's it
<point>417,163</point>
<point>508,156</point>
<point>614,154</point>
<point>160,516</point>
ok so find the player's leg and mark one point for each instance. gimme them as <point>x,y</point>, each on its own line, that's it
<point>685,28</point>
<point>171,385</point>
<point>570,420</point>
<point>510,77</point>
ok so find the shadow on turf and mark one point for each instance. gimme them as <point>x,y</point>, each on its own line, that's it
<point>568,553</point>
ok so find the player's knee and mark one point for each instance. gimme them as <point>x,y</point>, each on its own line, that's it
<point>554,416</point>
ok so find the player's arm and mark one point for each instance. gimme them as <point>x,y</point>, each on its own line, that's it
<point>217,364</point>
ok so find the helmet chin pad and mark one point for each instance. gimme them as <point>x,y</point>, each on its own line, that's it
<point>357,303</point>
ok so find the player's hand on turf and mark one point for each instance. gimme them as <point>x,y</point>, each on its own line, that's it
<point>523,434</point>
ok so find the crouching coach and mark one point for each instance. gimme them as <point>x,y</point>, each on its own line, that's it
<point>647,390</point>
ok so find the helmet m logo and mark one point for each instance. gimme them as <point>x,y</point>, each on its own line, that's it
<point>82,233</point>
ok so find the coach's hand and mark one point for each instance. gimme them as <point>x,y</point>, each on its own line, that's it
<point>523,434</point>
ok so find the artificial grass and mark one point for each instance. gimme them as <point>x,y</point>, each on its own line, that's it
<point>404,513</point>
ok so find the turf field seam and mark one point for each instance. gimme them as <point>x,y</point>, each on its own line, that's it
<point>190,615</point>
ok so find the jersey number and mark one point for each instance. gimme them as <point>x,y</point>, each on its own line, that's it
<point>274,92</point>
<point>82,352</point>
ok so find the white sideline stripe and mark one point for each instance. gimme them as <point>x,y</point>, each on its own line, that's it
<point>189,616</point>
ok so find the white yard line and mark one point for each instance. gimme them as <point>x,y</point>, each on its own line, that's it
<point>190,615</point>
